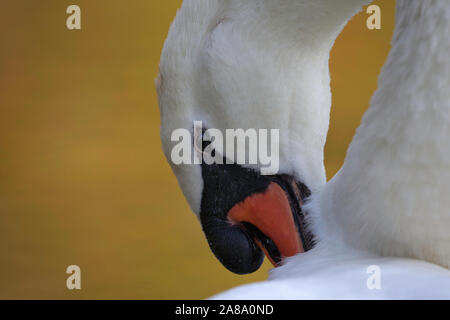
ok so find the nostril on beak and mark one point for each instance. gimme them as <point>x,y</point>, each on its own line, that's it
<point>271,220</point>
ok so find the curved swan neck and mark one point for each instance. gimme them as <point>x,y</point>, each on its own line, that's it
<point>416,75</point>
<point>298,23</point>
<point>284,47</point>
<point>259,64</point>
<point>391,195</point>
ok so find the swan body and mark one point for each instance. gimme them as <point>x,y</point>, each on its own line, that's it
<point>345,276</point>
<point>264,64</point>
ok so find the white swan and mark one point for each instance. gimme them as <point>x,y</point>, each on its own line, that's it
<point>264,64</point>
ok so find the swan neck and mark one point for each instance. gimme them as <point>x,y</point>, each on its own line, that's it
<point>416,75</point>
<point>299,23</point>
<point>393,186</point>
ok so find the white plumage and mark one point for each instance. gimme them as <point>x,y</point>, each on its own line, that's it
<point>322,274</point>
<point>264,64</point>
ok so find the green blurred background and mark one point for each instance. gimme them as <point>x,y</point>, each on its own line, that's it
<point>82,176</point>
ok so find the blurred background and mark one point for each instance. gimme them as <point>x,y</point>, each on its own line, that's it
<point>82,176</point>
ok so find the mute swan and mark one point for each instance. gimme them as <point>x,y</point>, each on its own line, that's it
<point>264,64</point>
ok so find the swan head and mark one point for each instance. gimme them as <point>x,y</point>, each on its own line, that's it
<point>257,69</point>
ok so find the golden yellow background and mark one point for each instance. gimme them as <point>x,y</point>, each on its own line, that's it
<point>82,176</point>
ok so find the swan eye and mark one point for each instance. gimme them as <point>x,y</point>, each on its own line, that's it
<point>198,140</point>
<point>201,142</point>
<point>211,152</point>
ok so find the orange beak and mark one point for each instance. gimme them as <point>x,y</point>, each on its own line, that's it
<point>270,219</point>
